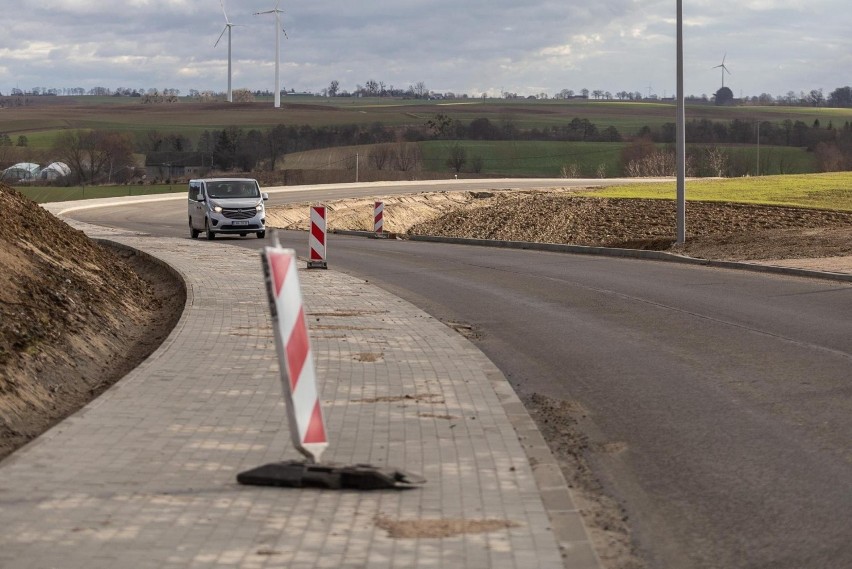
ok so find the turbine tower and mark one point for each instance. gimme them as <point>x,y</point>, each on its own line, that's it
<point>277,13</point>
<point>227,28</point>
<point>723,69</point>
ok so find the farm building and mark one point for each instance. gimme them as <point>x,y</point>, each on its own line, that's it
<point>55,170</point>
<point>21,171</point>
<point>167,165</point>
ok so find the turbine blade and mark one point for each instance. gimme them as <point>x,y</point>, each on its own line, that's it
<point>225,29</point>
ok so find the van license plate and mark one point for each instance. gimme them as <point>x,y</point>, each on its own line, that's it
<point>241,223</point>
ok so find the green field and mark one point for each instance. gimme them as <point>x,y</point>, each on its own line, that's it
<point>528,158</point>
<point>546,159</point>
<point>821,191</point>
<point>51,194</point>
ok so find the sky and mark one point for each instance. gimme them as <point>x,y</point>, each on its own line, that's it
<point>463,46</point>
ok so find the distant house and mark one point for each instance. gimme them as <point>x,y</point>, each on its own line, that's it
<point>21,171</point>
<point>167,165</point>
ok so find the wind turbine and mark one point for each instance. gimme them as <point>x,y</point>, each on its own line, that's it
<point>277,13</point>
<point>723,69</point>
<point>227,28</point>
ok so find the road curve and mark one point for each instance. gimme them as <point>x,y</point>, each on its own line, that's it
<point>728,395</point>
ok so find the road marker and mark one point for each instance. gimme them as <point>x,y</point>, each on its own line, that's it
<point>317,242</point>
<point>298,379</point>
<point>379,220</point>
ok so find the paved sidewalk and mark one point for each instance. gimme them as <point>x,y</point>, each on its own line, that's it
<point>145,475</point>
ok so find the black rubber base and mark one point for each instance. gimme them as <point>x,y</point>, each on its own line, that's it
<point>294,474</point>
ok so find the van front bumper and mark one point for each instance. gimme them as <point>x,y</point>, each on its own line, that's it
<point>225,222</point>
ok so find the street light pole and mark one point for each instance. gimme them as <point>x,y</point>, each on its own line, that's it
<point>681,134</point>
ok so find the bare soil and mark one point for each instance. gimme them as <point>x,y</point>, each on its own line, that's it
<point>75,317</point>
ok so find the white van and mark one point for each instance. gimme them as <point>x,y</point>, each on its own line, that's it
<point>226,205</point>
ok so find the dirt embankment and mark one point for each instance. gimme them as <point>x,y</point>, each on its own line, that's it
<point>714,230</point>
<point>75,317</point>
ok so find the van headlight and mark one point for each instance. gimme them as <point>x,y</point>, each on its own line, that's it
<point>259,206</point>
<point>217,208</point>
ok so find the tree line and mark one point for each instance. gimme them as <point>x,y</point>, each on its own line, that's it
<point>841,97</point>
<point>105,156</point>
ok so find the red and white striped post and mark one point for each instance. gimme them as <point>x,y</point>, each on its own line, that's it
<point>298,376</point>
<point>317,239</point>
<point>379,219</point>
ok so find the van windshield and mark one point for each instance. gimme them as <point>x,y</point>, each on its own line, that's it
<point>233,189</point>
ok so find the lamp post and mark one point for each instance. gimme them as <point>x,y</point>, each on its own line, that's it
<point>681,134</point>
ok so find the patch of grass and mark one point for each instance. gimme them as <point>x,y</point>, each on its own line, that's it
<point>822,191</point>
<point>54,194</point>
<point>527,158</point>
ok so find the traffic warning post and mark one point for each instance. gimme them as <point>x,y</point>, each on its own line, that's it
<point>298,376</point>
<point>379,219</point>
<point>301,394</point>
<point>317,242</point>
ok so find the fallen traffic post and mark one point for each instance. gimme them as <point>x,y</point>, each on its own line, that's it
<point>379,220</point>
<point>301,394</point>
<point>317,243</point>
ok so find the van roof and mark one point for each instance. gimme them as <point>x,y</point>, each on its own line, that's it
<point>223,180</point>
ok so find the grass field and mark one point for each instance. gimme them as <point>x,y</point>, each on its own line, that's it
<point>528,158</point>
<point>51,194</point>
<point>544,159</point>
<point>822,191</point>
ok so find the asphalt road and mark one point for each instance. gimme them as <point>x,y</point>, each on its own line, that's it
<point>729,393</point>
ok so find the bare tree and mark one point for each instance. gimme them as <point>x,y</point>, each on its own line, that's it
<point>457,158</point>
<point>717,161</point>
<point>95,156</point>
<point>381,155</point>
<point>407,156</point>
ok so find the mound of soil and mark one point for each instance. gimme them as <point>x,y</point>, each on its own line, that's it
<point>725,231</point>
<point>75,316</point>
<point>714,230</point>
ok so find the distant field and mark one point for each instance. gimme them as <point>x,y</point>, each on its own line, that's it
<point>41,121</point>
<point>822,191</point>
<point>543,159</point>
<point>528,158</point>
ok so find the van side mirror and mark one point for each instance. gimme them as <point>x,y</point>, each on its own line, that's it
<point>265,196</point>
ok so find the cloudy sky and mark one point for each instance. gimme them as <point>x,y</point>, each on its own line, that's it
<point>464,46</point>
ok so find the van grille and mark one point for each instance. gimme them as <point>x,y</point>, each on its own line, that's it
<point>239,213</point>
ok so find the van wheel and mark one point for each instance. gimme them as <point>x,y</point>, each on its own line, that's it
<point>261,234</point>
<point>210,235</point>
<point>193,232</point>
